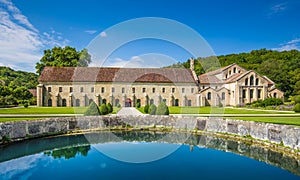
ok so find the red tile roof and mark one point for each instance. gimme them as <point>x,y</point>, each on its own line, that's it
<point>105,74</point>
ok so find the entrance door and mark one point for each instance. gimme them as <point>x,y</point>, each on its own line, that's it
<point>128,102</point>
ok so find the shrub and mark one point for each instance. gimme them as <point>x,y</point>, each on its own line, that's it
<point>272,102</point>
<point>296,99</point>
<point>146,109</point>
<point>109,108</point>
<point>152,109</point>
<point>103,109</point>
<point>92,110</point>
<point>138,105</point>
<point>220,104</point>
<point>162,109</point>
<point>297,108</point>
<point>118,105</point>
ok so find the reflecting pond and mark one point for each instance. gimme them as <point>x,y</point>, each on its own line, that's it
<point>99,156</point>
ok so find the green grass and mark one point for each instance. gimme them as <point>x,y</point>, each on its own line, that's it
<point>47,110</point>
<point>274,120</point>
<point>9,119</point>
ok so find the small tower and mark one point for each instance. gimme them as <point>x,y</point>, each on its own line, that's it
<point>192,66</point>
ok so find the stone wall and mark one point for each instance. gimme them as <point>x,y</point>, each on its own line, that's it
<point>279,134</point>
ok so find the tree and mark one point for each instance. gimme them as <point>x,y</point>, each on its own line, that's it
<point>162,109</point>
<point>109,108</point>
<point>92,110</point>
<point>22,93</point>
<point>63,57</point>
<point>152,109</point>
<point>103,109</point>
<point>146,109</point>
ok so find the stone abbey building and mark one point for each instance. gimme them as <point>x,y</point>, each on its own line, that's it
<point>78,86</point>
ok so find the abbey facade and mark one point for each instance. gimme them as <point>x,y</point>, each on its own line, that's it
<point>79,86</point>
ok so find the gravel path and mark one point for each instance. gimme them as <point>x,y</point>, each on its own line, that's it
<point>129,111</point>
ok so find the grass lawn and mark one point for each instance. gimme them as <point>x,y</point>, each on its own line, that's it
<point>48,110</point>
<point>274,120</point>
<point>214,110</point>
<point>9,119</point>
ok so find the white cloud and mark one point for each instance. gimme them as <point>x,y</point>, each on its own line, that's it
<point>277,8</point>
<point>21,44</point>
<point>103,34</point>
<point>91,31</point>
<point>290,45</point>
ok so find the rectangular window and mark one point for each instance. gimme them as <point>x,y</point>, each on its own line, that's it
<point>71,89</point>
<point>133,90</point>
<point>123,90</point>
<point>244,93</point>
<point>112,89</point>
<point>163,90</point>
<point>153,90</point>
<point>92,89</point>
<point>60,89</point>
<point>173,90</point>
<point>144,90</point>
<point>81,89</point>
<point>192,90</point>
<point>182,90</point>
<point>251,93</point>
<point>49,89</point>
<point>258,94</point>
<point>102,90</point>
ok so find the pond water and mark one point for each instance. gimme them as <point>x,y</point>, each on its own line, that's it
<point>83,157</point>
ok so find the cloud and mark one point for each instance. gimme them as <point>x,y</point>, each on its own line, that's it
<point>103,34</point>
<point>91,31</point>
<point>290,45</point>
<point>21,43</point>
<point>277,8</point>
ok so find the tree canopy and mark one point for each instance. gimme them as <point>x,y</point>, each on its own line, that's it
<point>63,57</point>
<point>282,67</point>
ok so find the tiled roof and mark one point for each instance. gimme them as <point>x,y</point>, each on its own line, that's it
<point>33,92</point>
<point>105,74</point>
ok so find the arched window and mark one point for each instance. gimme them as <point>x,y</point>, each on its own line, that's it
<point>234,70</point>
<point>223,96</point>
<point>229,73</point>
<point>246,82</point>
<point>64,103</point>
<point>209,95</point>
<point>256,81</point>
<point>49,102</point>
<point>251,80</point>
<point>275,95</point>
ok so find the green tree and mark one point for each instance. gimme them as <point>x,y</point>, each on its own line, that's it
<point>22,93</point>
<point>162,109</point>
<point>109,108</point>
<point>152,109</point>
<point>63,57</point>
<point>103,109</point>
<point>146,109</point>
<point>92,110</point>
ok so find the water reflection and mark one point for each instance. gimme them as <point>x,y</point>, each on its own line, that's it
<point>77,145</point>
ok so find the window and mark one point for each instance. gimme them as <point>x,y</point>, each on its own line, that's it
<point>258,94</point>
<point>234,70</point>
<point>229,73</point>
<point>64,103</point>
<point>60,89</point>
<point>275,95</point>
<point>189,103</point>
<point>246,82</point>
<point>203,87</point>
<point>144,90</point>
<point>102,90</point>
<point>239,71</point>
<point>244,93</point>
<point>223,96</point>
<point>209,95</point>
<point>92,89</point>
<point>251,80</point>
<point>49,89</point>
<point>123,90</point>
<point>71,89</point>
<point>77,102</point>
<point>163,90</point>
<point>173,90</point>
<point>153,90</point>
<point>192,90</point>
<point>133,90</point>
<point>251,93</point>
<point>226,76</point>
<point>182,90</point>
<point>112,89</point>
<point>81,89</point>
<point>49,102</point>
<point>256,81</point>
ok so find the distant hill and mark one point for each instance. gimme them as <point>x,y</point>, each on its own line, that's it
<point>13,78</point>
<point>282,67</point>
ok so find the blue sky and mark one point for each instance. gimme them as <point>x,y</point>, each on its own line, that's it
<point>27,27</point>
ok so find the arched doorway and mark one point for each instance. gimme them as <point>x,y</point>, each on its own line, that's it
<point>128,102</point>
<point>49,102</point>
<point>176,102</point>
<point>64,103</point>
<point>77,102</point>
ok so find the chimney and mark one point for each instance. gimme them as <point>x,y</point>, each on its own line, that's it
<point>192,64</point>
